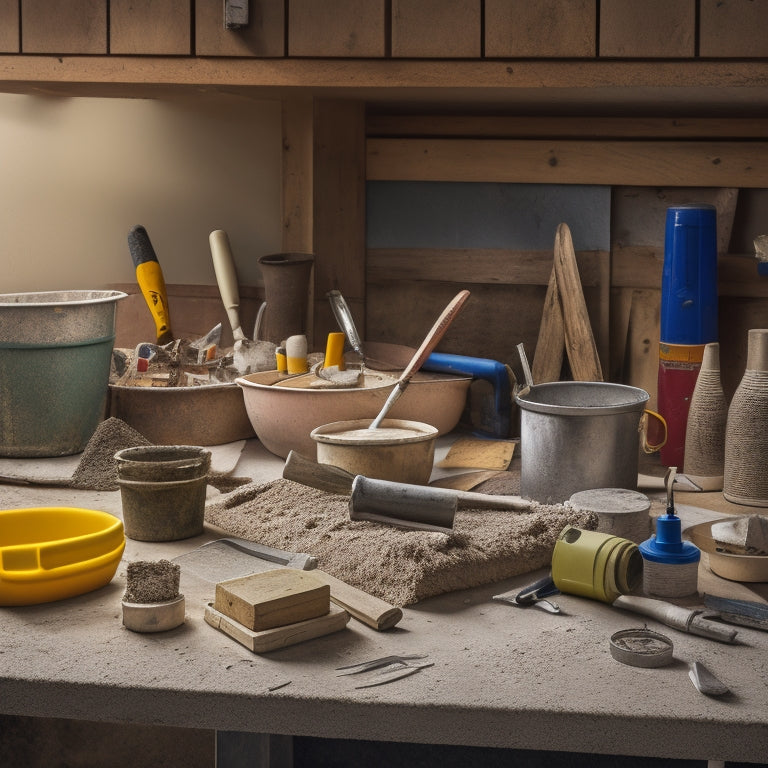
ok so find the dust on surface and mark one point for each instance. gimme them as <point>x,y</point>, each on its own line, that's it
<point>96,470</point>
<point>398,565</point>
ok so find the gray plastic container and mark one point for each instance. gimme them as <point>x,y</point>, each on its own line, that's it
<point>576,436</point>
<point>162,489</point>
<point>55,353</point>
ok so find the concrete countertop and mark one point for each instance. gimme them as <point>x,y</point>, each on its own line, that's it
<point>502,677</point>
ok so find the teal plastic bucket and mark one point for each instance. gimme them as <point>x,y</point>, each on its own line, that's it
<point>55,353</point>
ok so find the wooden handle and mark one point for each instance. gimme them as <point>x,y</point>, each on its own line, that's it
<point>436,332</point>
<point>580,343</point>
<point>226,277</point>
<point>677,617</point>
<point>370,610</point>
<point>324,477</point>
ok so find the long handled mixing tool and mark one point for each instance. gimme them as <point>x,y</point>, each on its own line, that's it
<point>422,353</point>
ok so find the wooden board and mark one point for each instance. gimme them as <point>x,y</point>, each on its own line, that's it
<point>640,163</point>
<point>273,598</point>
<point>642,358</point>
<point>154,27</point>
<point>653,28</point>
<point>522,127</point>
<point>279,637</point>
<point>64,26</point>
<point>733,28</point>
<point>579,339</point>
<point>436,29</point>
<point>552,28</point>
<point>339,211</point>
<point>264,35</point>
<point>9,26</point>
<point>336,28</point>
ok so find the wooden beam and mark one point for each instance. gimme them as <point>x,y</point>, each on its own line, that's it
<point>550,78</point>
<point>339,210</point>
<point>297,174</point>
<point>467,265</point>
<point>508,127</point>
<point>640,163</point>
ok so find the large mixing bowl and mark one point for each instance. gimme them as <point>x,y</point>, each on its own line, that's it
<point>206,415</point>
<point>284,416</point>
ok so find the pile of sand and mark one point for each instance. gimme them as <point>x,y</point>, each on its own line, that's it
<point>398,565</point>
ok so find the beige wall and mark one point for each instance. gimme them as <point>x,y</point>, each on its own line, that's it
<point>76,174</point>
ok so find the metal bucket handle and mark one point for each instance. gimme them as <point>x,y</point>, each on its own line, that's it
<point>643,429</point>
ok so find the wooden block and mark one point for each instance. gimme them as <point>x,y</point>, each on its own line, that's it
<point>273,598</point>
<point>737,28</point>
<point>435,29</point>
<point>340,28</point>
<point>64,26</point>
<point>150,27</point>
<point>9,26</point>
<point>546,28</point>
<point>277,637</point>
<point>651,29</point>
<point>263,37</point>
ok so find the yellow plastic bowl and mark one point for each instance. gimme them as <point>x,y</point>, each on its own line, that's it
<point>50,553</point>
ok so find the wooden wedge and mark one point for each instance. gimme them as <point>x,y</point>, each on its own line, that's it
<point>579,340</point>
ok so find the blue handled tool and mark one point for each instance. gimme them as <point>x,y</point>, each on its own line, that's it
<point>495,421</point>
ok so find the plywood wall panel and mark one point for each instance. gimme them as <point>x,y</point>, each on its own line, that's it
<point>150,27</point>
<point>263,37</point>
<point>648,29</point>
<point>436,29</point>
<point>736,28</point>
<point>64,26</point>
<point>546,28</point>
<point>337,28</point>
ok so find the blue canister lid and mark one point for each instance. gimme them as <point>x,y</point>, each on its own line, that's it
<point>667,545</point>
<point>689,280</point>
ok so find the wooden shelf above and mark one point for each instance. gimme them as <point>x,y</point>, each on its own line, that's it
<point>724,87</point>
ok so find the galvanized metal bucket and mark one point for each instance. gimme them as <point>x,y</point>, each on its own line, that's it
<point>576,436</point>
<point>55,353</point>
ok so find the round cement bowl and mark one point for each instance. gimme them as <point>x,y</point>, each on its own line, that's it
<point>399,450</point>
<point>206,415</point>
<point>283,417</point>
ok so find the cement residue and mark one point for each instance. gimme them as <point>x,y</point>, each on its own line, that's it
<point>152,582</point>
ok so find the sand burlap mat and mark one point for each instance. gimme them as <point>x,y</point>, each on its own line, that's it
<point>400,566</point>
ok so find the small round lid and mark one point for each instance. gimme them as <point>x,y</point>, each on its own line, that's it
<point>641,648</point>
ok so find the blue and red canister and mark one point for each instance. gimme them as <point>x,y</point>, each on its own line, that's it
<point>689,317</point>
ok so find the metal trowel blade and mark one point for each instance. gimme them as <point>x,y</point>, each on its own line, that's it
<point>231,558</point>
<point>705,682</point>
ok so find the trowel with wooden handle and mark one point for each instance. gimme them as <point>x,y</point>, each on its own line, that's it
<point>431,340</point>
<point>232,557</point>
<point>249,356</point>
<point>326,477</point>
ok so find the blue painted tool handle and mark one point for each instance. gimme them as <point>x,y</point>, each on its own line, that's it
<point>480,368</point>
